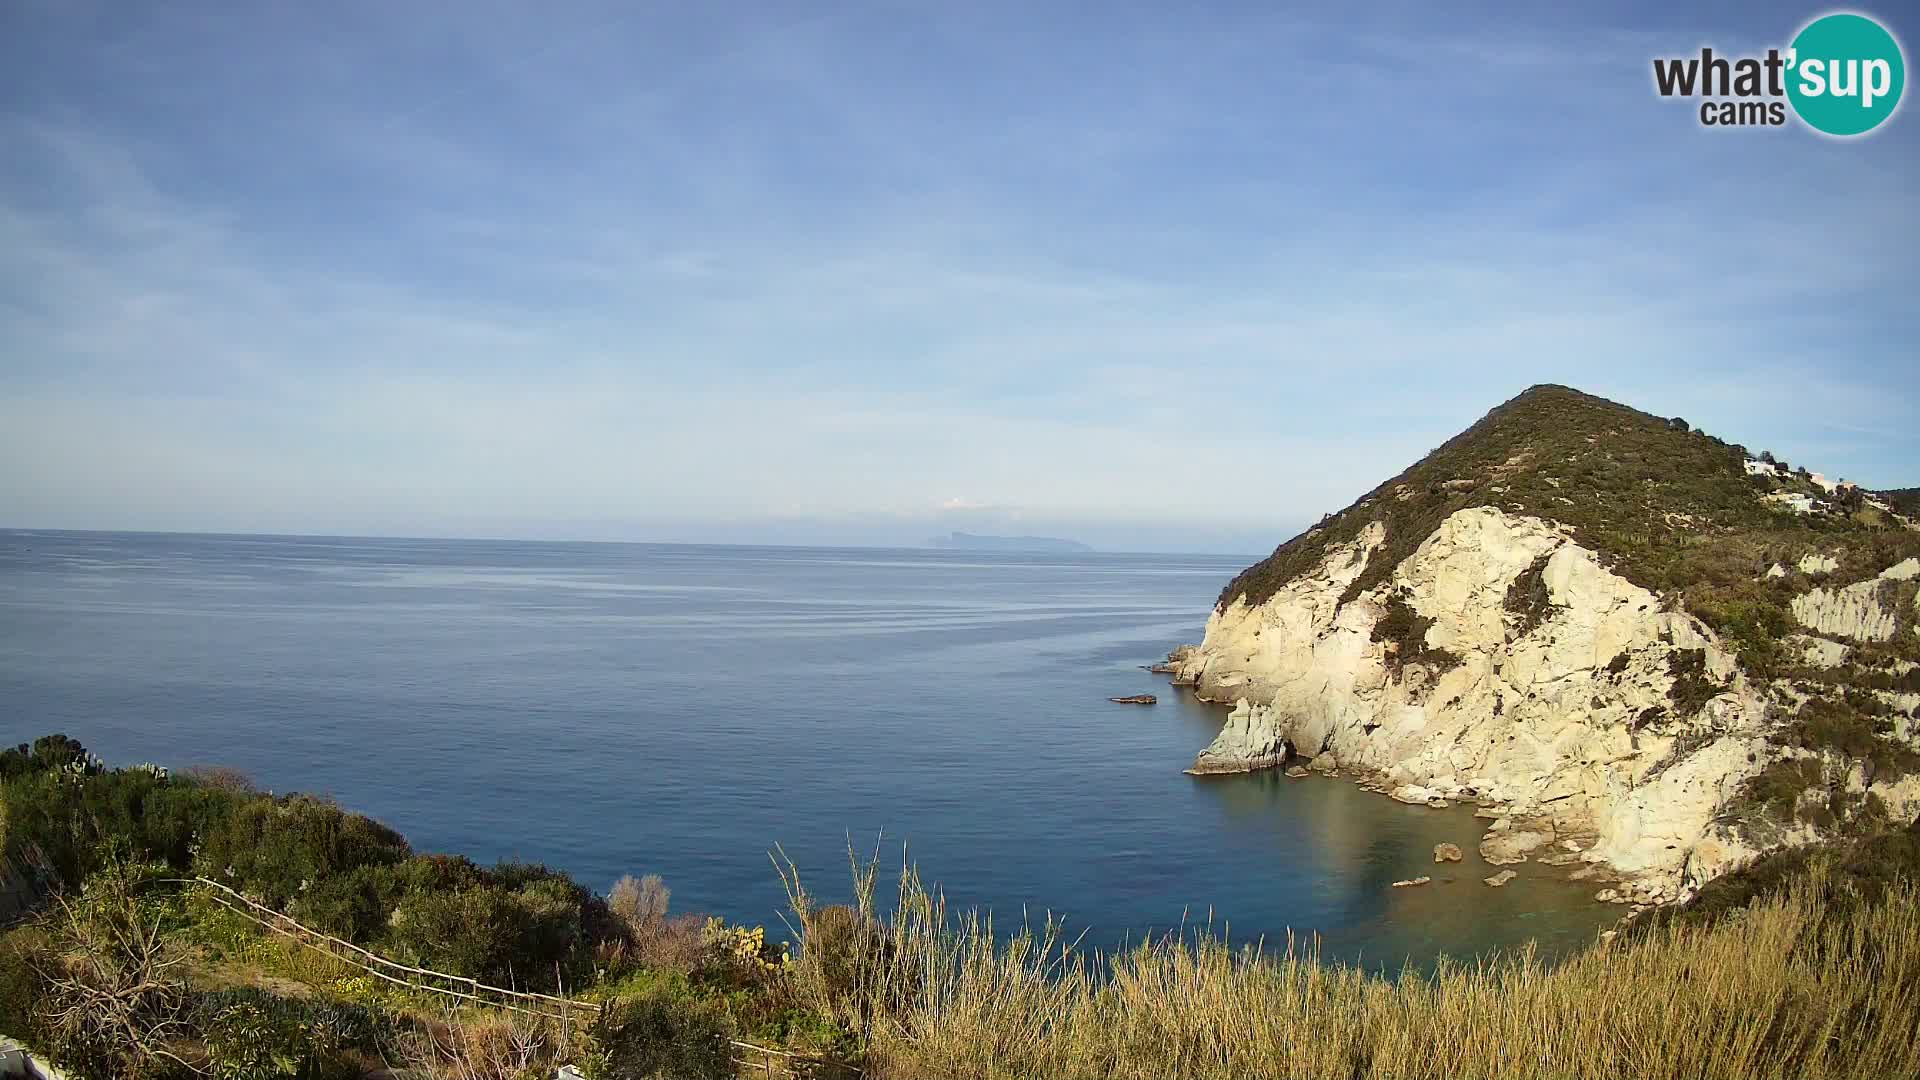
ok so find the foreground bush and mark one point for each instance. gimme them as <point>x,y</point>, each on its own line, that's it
<point>112,994</point>
<point>343,873</point>
<point>252,1035</point>
<point>666,1031</point>
<point>489,1046</point>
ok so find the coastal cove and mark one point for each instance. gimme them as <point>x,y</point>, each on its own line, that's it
<point>679,710</point>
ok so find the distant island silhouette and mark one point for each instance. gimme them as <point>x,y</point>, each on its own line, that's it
<point>976,542</point>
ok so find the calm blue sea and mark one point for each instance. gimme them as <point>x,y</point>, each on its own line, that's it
<point>680,710</point>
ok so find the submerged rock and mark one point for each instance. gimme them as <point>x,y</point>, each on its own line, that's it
<point>1134,699</point>
<point>1505,844</point>
<point>1501,878</point>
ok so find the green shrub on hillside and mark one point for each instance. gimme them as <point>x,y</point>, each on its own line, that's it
<point>253,1035</point>
<point>23,958</point>
<point>1753,617</point>
<point>1857,726</point>
<point>1528,599</point>
<point>276,848</point>
<point>1777,789</point>
<point>1406,631</point>
<point>1693,686</point>
<point>666,1030</point>
<point>1904,500</point>
<point>515,926</point>
<point>1847,876</point>
<point>342,873</point>
<point>60,820</point>
<point>48,753</point>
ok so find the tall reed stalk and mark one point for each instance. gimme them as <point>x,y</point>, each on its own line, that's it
<point>1784,989</point>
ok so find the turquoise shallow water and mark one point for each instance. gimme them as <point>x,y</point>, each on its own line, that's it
<point>613,708</point>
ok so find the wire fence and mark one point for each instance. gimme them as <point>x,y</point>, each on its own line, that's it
<point>757,1060</point>
<point>392,971</point>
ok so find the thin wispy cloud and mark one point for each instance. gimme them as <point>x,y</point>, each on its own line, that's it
<point>674,275</point>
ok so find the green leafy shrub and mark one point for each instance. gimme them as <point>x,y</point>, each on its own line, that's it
<point>340,872</point>
<point>355,904</point>
<point>1853,726</point>
<point>667,1031</point>
<point>1527,597</point>
<point>1776,789</point>
<point>23,957</point>
<point>1859,873</point>
<point>555,912</point>
<point>250,1032</point>
<point>1406,629</point>
<point>247,1042</point>
<point>65,820</point>
<point>517,925</point>
<point>469,930</point>
<point>277,848</point>
<point>1753,617</point>
<point>48,753</point>
<point>1692,685</point>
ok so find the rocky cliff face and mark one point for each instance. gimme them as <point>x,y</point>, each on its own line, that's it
<point>1501,662</point>
<point>1860,610</point>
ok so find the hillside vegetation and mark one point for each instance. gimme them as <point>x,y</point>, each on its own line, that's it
<point>1666,506</point>
<point>123,969</point>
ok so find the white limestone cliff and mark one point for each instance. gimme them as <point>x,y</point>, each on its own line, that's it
<point>1855,611</point>
<point>1567,726</point>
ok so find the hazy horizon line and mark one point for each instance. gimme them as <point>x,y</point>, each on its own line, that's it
<point>923,547</point>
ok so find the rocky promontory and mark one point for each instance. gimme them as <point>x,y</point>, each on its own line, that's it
<point>1599,626</point>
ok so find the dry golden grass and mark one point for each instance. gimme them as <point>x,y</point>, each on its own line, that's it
<point>1786,988</point>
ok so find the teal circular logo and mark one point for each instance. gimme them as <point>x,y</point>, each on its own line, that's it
<point>1845,74</point>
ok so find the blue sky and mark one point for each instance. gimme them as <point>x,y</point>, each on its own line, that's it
<point>1155,276</point>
